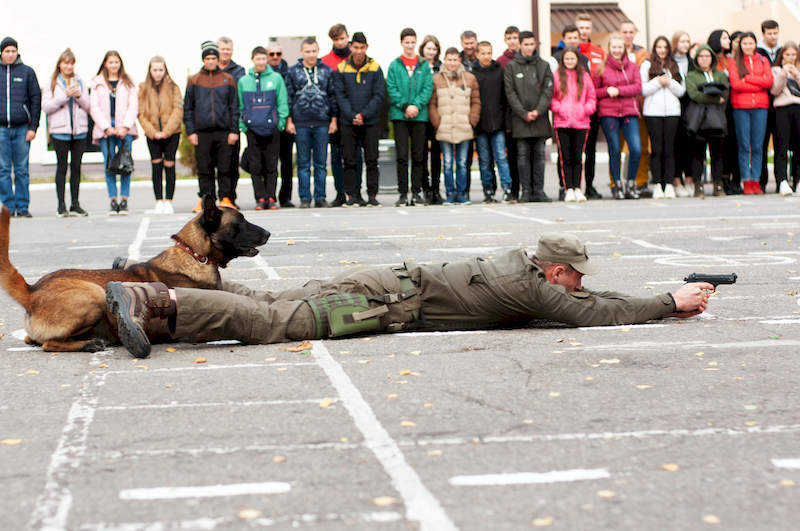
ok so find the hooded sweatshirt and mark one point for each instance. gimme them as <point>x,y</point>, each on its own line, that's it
<point>263,105</point>
<point>696,78</point>
<point>625,76</point>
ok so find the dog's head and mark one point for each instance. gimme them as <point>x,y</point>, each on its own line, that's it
<point>229,233</point>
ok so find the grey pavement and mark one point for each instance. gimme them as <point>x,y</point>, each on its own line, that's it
<point>675,424</point>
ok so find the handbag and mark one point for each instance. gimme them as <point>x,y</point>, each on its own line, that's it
<point>122,162</point>
<point>793,87</point>
<point>708,118</point>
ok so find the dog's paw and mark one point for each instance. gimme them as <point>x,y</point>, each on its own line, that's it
<point>95,345</point>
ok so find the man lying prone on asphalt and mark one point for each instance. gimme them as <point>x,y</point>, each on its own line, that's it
<point>511,289</point>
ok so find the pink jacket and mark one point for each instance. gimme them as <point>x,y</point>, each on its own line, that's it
<point>127,108</point>
<point>55,105</point>
<point>779,89</point>
<point>627,79</point>
<point>573,110</point>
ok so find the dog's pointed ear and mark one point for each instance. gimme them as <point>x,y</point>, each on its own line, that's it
<point>212,216</point>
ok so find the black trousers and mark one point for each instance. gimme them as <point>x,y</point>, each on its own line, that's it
<point>433,154</point>
<point>287,169</point>
<point>213,149</point>
<point>771,131</point>
<point>164,149</point>
<point>730,148</point>
<point>367,136</point>
<point>262,159</point>
<point>531,163</point>
<point>74,150</point>
<point>405,130</point>
<point>787,138</point>
<point>715,146</point>
<point>663,131</point>
<point>513,168</point>
<point>570,143</point>
<point>591,149</point>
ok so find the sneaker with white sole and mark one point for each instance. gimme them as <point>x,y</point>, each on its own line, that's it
<point>159,208</point>
<point>579,197</point>
<point>784,189</point>
<point>669,191</point>
<point>658,192</point>
<point>569,196</point>
<point>681,191</point>
<point>167,206</point>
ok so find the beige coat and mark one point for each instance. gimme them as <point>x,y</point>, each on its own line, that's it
<point>166,104</point>
<point>455,107</point>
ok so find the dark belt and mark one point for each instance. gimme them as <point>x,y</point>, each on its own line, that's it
<point>408,290</point>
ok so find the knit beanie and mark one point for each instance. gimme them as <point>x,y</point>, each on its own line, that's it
<point>8,41</point>
<point>209,48</point>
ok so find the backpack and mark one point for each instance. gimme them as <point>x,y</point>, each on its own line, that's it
<point>261,110</point>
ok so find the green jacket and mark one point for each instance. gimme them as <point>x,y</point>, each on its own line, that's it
<point>257,106</point>
<point>405,90</point>
<point>695,78</point>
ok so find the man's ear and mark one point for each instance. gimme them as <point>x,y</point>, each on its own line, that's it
<point>212,216</point>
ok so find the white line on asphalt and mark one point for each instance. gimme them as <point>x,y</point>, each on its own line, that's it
<point>316,215</point>
<point>390,236</point>
<point>488,233</point>
<point>794,278</point>
<point>526,478</point>
<point>517,216</point>
<point>780,321</point>
<point>104,246</point>
<point>648,256</point>
<point>20,334</point>
<point>647,345</point>
<point>421,505</point>
<point>402,212</point>
<point>681,227</point>
<point>265,267</point>
<point>793,464</point>
<point>444,333</point>
<point>212,367</point>
<point>208,491</point>
<point>52,507</point>
<point>230,403</point>
<point>196,452</point>
<point>587,231</point>
<point>620,327</point>
<point>649,245</point>
<point>135,248</point>
<point>21,349</point>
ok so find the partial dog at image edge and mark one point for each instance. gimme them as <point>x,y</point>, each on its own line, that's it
<point>66,309</point>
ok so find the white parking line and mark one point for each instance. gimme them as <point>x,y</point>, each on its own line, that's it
<point>421,505</point>
<point>85,247</point>
<point>780,321</point>
<point>212,367</point>
<point>227,450</point>
<point>517,216</point>
<point>265,267</point>
<point>620,327</point>
<point>230,403</point>
<point>527,478</point>
<point>647,345</point>
<point>792,464</point>
<point>649,245</point>
<point>135,248</point>
<point>208,491</point>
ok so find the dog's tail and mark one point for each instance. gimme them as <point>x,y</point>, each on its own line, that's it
<point>10,278</point>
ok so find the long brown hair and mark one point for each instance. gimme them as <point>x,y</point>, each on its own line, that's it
<point>739,56</point>
<point>657,65</point>
<point>788,45</point>
<point>562,73</point>
<point>434,40</point>
<point>66,55</point>
<point>149,82</point>
<point>122,75</point>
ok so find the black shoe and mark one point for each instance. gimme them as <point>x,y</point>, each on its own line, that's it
<point>304,204</point>
<point>321,204</point>
<point>77,210</point>
<point>114,208</point>
<point>23,214</point>
<point>401,201</point>
<point>351,201</point>
<point>592,193</point>
<point>287,204</point>
<point>428,197</point>
<point>617,192</point>
<point>133,304</point>
<point>562,193</point>
<point>437,198</point>
<point>508,197</point>
<point>488,198</point>
<point>525,197</point>
<point>541,197</point>
<point>123,207</point>
<point>631,192</point>
<point>417,199</point>
<point>373,202</point>
<point>644,192</point>
<point>340,200</point>
<point>62,210</point>
<point>360,200</point>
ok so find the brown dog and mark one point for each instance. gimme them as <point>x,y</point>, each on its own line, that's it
<point>66,309</point>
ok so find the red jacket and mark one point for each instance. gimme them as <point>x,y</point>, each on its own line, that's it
<point>595,54</point>
<point>333,60</point>
<point>752,91</point>
<point>505,58</point>
<point>627,79</point>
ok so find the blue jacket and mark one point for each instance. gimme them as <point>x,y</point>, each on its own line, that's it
<point>20,96</point>
<point>262,102</point>
<point>211,103</point>
<point>360,90</point>
<point>312,99</point>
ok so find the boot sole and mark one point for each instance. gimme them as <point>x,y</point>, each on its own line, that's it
<point>128,331</point>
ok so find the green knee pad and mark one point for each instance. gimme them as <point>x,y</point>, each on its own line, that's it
<point>343,314</point>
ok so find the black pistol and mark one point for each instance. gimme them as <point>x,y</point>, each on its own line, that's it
<point>714,280</point>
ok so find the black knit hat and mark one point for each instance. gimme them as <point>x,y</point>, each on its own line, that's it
<point>209,48</point>
<point>359,37</point>
<point>8,41</point>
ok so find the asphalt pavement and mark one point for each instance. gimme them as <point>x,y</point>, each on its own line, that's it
<point>673,424</point>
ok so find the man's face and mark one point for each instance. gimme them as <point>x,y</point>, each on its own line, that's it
<point>512,41</point>
<point>771,37</point>
<point>468,45</point>
<point>584,30</point>
<point>358,51</point>
<point>310,52</point>
<point>485,55</point>
<point>341,40</point>
<point>628,32</point>
<point>528,46</point>
<point>452,61</point>
<point>409,43</point>
<point>572,39</point>
<point>225,52</point>
<point>566,276</point>
<point>10,55</point>
<point>274,55</point>
<point>210,62</point>
<point>259,62</point>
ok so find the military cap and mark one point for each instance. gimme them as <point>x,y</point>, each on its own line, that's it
<point>564,248</point>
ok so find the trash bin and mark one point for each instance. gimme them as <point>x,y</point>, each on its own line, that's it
<point>387,165</point>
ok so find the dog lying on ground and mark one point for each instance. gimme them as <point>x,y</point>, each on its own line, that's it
<point>66,309</point>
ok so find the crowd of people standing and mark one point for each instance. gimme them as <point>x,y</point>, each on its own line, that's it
<point>668,107</point>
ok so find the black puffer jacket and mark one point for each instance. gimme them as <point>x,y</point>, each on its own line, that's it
<point>493,98</point>
<point>20,96</point>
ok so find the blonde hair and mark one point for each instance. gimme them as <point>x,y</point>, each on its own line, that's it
<point>66,55</point>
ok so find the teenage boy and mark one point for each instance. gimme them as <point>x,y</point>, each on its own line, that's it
<point>20,107</point>
<point>360,89</point>
<point>211,116</point>
<point>469,58</point>
<point>771,49</point>
<point>511,39</point>
<point>490,132</point>
<point>409,83</point>
<point>571,37</point>
<point>597,58</point>
<point>637,54</point>
<point>263,108</point>
<point>529,89</point>
<point>276,61</point>
<point>312,118</point>
<point>340,51</point>
<point>229,66</point>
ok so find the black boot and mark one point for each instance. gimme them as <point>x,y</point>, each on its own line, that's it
<point>402,200</point>
<point>340,200</point>
<point>592,193</point>
<point>538,190</point>
<point>417,199</point>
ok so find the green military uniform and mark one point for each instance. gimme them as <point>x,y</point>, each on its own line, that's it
<point>474,293</point>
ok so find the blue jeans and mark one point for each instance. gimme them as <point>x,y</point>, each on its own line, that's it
<point>630,129</point>
<point>497,143</point>
<point>337,166</point>
<point>109,146</point>
<point>461,150</point>
<point>310,139</point>
<point>14,154</point>
<point>751,126</point>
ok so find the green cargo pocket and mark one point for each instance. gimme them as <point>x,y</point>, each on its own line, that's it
<point>344,314</point>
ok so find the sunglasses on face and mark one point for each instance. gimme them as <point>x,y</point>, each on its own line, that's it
<point>275,54</point>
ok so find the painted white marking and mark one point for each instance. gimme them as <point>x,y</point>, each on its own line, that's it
<point>488,233</point>
<point>682,227</point>
<point>572,207</point>
<point>225,342</point>
<point>468,250</point>
<point>647,345</point>
<point>231,522</point>
<point>794,278</point>
<point>421,505</point>
<point>211,367</point>
<point>391,236</point>
<point>588,231</point>
<point>231,403</point>
<point>21,349</point>
<point>780,321</point>
<point>793,464</point>
<point>316,215</point>
<point>444,333</point>
<point>621,327</point>
<point>402,212</point>
<point>775,225</point>
<point>526,478</point>
<point>730,260</point>
<point>728,238</point>
<point>197,452</point>
<point>517,216</point>
<point>209,491</point>
<point>649,245</point>
<point>20,334</point>
<point>265,267</point>
<point>104,246</point>
<point>135,248</point>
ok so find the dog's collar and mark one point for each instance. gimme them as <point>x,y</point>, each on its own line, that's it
<point>197,256</point>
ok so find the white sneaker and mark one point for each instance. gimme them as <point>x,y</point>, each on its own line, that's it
<point>658,192</point>
<point>167,207</point>
<point>681,191</point>
<point>669,192</point>
<point>569,196</point>
<point>579,197</point>
<point>159,208</point>
<point>785,190</point>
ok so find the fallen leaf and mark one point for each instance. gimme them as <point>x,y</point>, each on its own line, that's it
<point>415,352</point>
<point>787,483</point>
<point>279,459</point>
<point>344,352</point>
<point>611,361</point>
<point>289,242</point>
<point>305,345</point>
<point>576,344</point>
<point>751,423</point>
<point>560,340</point>
<point>711,518</point>
<point>408,424</point>
<point>427,405</point>
<point>171,349</point>
<point>606,493</point>
<point>559,219</point>
<point>364,361</point>
<point>555,394</point>
<point>31,371</point>
<point>616,254</point>
<point>404,372</point>
<point>751,407</point>
<point>249,514</point>
<point>366,339</point>
<point>270,359</point>
<point>543,521</point>
<point>282,369</point>
<point>325,402</point>
<point>625,329</point>
<point>10,442</point>
<point>343,439</point>
<point>102,366</point>
<point>644,387</point>
<point>699,354</point>
<point>200,360</point>
<point>670,467</point>
<point>588,378</point>
<point>558,352</point>
<point>391,395</point>
<point>527,421</point>
<point>142,367</point>
<point>712,363</point>
<point>384,501</point>
<point>401,382</point>
<point>435,452</point>
<point>2,336</point>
